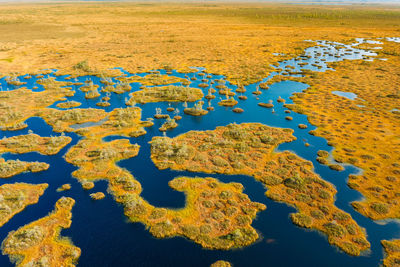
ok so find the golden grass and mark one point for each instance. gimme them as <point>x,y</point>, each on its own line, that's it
<point>29,143</point>
<point>15,197</point>
<point>221,263</point>
<point>364,131</point>
<point>169,93</point>
<point>216,215</point>
<point>97,195</point>
<point>248,149</point>
<point>32,142</point>
<point>222,222</point>
<point>64,187</point>
<point>40,243</point>
<point>10,168</point>
<point>18,105</point>
<point>153,79</point>
<point>392,250</point>
<point>69,104</point>
<point>120,121</point>
<point>62,120</point>
<point>96,159</point>
<point>235,39</point>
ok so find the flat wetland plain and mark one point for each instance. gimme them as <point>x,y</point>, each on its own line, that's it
<point>199,134</point>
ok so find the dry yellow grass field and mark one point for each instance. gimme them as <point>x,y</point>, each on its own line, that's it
<point>364,131</point>
<point>235,39</point>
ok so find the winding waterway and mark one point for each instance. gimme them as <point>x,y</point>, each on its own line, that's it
<point>107,238</point>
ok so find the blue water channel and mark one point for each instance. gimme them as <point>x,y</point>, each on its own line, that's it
<point>107,238</point>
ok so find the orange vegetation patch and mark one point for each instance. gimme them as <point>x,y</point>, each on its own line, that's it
<point>62,120</point>
<point>10,168</point>
<point>33,142</point>
<point>153,79</point>
<point>248,149</point>
<point>221,263</point>
<point>39,243</point>
<point>69,104</point>
<point>29,143</point>
<point>121,121</point>
<point>97,195</point>
<point>392,250</point>
<point>96,159</point>
<point>169,93</point>
<point>365,132</point>
<point>216,215</point>
<point>18,105</point>
<point>238,40</point>
<point>15,197</point>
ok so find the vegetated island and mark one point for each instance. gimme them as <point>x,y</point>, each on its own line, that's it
<point>248,149</point>
<point>392,250</point>
<point>170,93</point>
<point>28,143</point>
<point>18,105</point>
<point>95,157</point>
<point>39,243</point>
<point>221,263</point>
<point>32,142</point>
<point>15,197</point>
<point>217,215</point>
<point>9,168</point>
<point>62,120</point>
<point>69,104</point>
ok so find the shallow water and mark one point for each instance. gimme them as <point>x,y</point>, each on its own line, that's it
<point>106,237</point>
<point>347,95</point>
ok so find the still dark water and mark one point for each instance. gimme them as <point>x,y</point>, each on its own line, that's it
<point>107,238</point>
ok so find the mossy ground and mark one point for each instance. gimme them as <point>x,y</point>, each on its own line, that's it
<point>392,250</point>
<point>216,215</point>
<point>153,80</point>
<point>364,131</point>
<point>39,243</point>
<point>28,143</point>
<point>15,197</point>
<point>18,105</point>
<point>170,93</point>
<point>248,149</point>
